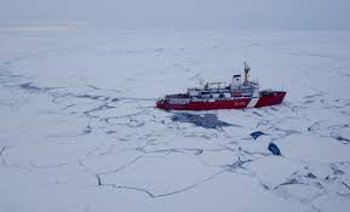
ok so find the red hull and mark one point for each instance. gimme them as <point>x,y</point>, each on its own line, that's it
<point>273,99</point>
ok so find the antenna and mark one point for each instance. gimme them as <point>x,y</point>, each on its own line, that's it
<point>246,70</point>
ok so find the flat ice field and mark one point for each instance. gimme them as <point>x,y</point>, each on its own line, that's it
<point>79,131</point>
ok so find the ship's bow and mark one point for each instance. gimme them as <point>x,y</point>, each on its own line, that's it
<point>269,98</point>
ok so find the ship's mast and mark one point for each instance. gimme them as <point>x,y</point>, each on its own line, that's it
<point>246,70</point>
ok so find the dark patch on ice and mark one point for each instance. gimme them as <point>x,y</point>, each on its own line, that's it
<point>310,175</point>
<point>2,151</point>
<point>256,113</point>
<point>93,87</point>
<point>274,149</point>
<point>198,152</point>
<point>33,88</point>
<point>315,126</point>
<point>328,177</point>
<point>255,135</point>
<point>111,132</point>
<point>202,120</point>
<point>346,185</point>
<point>87,130</point>
<point>99,181</point>
<point>88,96</point>
<point>318,185</point>
<point>114,99</point>
<point>339,138</point>
<point>337,171</point>
<point>266,187</point>
<point>292,181</point>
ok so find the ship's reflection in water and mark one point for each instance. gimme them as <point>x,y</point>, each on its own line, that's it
<point>207,120</point>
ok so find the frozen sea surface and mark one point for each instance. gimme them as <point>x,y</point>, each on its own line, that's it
<point>79,131</point>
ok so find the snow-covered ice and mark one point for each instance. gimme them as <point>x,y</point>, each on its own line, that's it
<point>79,131</point>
